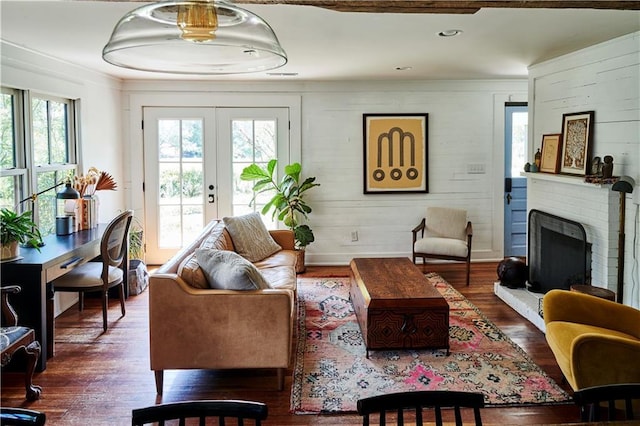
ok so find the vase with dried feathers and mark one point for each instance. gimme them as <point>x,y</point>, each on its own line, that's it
<point>87,185</point>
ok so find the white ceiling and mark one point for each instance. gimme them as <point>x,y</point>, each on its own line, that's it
<point>325,45</point>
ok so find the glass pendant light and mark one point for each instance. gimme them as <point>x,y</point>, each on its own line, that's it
<point>194,37</point>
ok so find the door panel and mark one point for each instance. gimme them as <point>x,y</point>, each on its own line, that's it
<point>180,166</point>
<point>515,197</point>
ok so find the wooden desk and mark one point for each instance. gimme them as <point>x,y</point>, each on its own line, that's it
<point>34,273</point>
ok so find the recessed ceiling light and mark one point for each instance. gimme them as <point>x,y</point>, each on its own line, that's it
<point>449,33</point>
<point>403,68</point>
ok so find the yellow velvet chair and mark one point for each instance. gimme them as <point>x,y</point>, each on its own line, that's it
<point>595,341</point>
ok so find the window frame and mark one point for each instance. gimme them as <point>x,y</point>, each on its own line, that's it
<point>25,172</point>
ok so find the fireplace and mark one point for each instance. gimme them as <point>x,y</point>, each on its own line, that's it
<point>559,254</point>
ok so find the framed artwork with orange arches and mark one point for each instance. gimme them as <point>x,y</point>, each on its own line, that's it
<point>395,153</point>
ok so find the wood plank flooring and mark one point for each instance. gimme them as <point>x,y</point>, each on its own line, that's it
<point>97,379</point>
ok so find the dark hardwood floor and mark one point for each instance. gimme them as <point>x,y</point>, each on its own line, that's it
<point>97,379</point>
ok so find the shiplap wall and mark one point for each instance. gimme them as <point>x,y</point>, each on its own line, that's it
<point>606,79</point>
<point>461,132</point>
<point>466,126</point>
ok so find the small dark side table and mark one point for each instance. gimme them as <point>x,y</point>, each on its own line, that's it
<point>603,293</point>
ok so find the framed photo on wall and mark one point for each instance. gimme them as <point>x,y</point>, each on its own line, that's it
<point>551,146</point>
<point>395,153</point>
<point>577,140</point>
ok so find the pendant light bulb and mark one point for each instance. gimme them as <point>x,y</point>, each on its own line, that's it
<point>198,22</point>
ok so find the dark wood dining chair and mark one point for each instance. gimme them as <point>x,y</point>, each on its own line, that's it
<point>15,338</point>
<point>608,402</point>
<point>10,416</point>
<point>417,401</point>
<point>211,409</point>
<point>103,275</point>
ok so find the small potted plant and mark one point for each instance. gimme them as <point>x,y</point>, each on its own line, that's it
<point>16,229</point>
<point>288,202</point>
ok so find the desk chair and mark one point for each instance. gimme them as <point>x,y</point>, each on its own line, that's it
<point>225,409</point>
<point>21,417</point>
<point>591,401</point>
<point>444,234</point>
<point>101,276</point>
<point>417,401</point>
<point>14,338</point>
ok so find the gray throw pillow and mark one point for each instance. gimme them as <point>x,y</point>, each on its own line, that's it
<point>250,237</point>
<point>227,270</point>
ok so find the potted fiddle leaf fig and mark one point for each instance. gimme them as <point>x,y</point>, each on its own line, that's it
<point>288,203</point>
<point>16,229</point>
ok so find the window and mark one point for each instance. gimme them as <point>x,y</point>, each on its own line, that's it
<point>38,152</point>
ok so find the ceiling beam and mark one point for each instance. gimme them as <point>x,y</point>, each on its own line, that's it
<point>443,6</point>
<point>451,6</point>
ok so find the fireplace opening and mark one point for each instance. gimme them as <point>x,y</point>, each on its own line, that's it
<point>559,254</point>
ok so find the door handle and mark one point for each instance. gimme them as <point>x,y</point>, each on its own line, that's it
<point>509,197</point>
<point>212,198</point>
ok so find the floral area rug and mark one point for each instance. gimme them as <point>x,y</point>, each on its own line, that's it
<point>332,372</point>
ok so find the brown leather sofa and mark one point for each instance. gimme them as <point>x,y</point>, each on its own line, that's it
<point>204,328</point>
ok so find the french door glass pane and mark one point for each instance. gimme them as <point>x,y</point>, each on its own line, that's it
<point>181,177</point>
<point>253,141</point>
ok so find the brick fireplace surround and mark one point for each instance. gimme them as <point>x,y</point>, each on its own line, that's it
<point>592,205</point>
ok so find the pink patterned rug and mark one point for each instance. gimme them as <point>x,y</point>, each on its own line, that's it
<point>332,372</point>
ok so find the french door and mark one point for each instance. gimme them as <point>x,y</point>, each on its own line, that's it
<point>193,158</point>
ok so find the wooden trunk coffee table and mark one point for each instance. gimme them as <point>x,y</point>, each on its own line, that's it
<point>396,306</point>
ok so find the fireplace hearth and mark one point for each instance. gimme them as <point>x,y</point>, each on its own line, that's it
<point>559,254</point>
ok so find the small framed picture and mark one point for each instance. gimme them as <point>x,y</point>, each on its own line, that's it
<point>577,141</point>
<point>551,145</point>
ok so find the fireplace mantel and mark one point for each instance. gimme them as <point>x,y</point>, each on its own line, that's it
<point>571,180</point>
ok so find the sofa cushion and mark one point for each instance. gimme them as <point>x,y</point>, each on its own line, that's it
<point>190,271</point>
<point>250,237</point>
<point>227,270</point>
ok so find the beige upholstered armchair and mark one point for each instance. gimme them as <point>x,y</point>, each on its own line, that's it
<point>445,234</point>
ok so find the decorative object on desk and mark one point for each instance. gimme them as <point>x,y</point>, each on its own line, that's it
<point>607,167</point>
<point>34,197</point>
<point>87,185</point>
<point>287,202</point>
<point>395,153</point>
<point>67,210</point>
<point>550,156</point>
<point>624,186</point>
<point>534,168</point>
<point>577,141</point>
<point>17,229</point>
<point>527,167</point>
<point>331,370</point>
